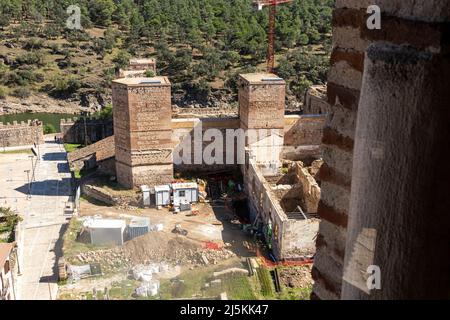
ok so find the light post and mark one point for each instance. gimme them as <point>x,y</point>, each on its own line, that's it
<point>32,164</point>
<point>29,184</point>
<point>37,144</point>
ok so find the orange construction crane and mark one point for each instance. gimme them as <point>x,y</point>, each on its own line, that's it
<point>272,4</point>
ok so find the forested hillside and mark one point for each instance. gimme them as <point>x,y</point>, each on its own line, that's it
<point>200,44</point>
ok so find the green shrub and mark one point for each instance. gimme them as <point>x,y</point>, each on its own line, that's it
<point>11,220</point>
<point>33,43</point>
<point>31,58</point>
<point>49,128</point>
<point>149,73</point>
<point>3,92</point>
<point>65,85</point>
<point>21,92</point>
<point>54,47</point>
<point>105,113</point>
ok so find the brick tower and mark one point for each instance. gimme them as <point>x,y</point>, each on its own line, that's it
<point>142,130</point>
<point>261,111</point>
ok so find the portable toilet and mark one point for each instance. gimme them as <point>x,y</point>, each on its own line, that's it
<point>186,192</point>
<point>162,195</point>
<point>146,199</point>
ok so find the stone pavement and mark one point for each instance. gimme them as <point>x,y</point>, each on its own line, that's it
<point>42,208</point>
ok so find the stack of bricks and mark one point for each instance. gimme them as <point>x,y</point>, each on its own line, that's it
<point>143,129</point>
<point>420,24</point>
<point>261,111</point>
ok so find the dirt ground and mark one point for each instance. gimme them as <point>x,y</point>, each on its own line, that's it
<point>296,277</point>
<point>214,240</point>
<point>211,224</point>
<point>213,237</point>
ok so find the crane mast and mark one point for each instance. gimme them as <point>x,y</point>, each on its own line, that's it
<point>272,4</point>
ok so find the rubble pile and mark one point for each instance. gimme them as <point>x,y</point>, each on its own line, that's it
<point>111,260</point>
<point>296,277</point>
<point>155,248</point>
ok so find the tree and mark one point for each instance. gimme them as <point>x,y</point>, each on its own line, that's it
<point>101,11</point>
<point>300,85</point>
<point>105,113</point>
<point>285,69</point>
<point>122,59</point>
<point>4,21</point>
<point>63,85</point>
<point>11,219</point>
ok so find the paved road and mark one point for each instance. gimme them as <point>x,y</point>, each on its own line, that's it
<point>44,223</point>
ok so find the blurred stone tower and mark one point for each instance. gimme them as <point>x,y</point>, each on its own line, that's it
<point>261,111</point>
<point>142,130</point>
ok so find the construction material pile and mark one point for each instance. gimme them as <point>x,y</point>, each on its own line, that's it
<point>155,247</point>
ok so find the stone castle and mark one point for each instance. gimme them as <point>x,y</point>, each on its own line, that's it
<point>146,136</point>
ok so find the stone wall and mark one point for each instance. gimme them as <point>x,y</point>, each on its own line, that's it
<point>74,130</point>
<point>310,188</point>
<point>91,190</point>
<point>21,134</point>
<point>292,238</point>
<point>183,131</point>
<point>316,100</point>
<point>303,137</point>
<point>420,24</point>
<point>211,112</point>
<point>94,155</point>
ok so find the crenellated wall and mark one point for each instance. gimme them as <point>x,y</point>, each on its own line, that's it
<point>91,130</point>
<point>21,133</point>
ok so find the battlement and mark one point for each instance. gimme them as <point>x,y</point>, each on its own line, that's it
<point>71,121</point>
<point>90,129</point>
<point>16,124</point>
<point>24,133</point>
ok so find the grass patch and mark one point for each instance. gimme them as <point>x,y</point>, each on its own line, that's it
<point>79,174</point>
<point>236,286</point>
<point>191,284</point>
<point>266,283</point>
<point>295,293</point>
<point>121,290</point>
<point>71,245</point>
<point>72,146</point>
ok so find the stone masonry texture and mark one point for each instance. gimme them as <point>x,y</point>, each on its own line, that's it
<point>21,134</point>
<point>423,25</point>
<point>142,126</point>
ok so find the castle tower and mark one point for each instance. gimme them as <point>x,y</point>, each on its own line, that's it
<point>261,111</point>
<point>142,130</point>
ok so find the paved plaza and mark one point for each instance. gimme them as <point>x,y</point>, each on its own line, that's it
<point>41,205</point>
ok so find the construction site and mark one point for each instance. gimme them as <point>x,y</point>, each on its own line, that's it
<point>250,202</point>
<point>154,210</point>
